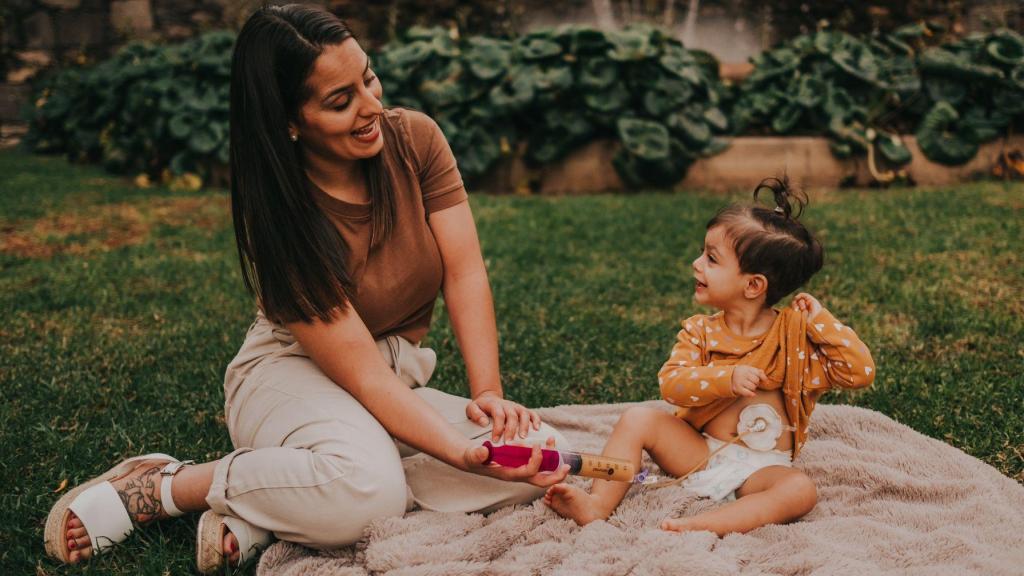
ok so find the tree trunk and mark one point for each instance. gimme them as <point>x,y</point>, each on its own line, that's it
<point>605,16</point>
<point>668,17</point>
<point>690,27</point>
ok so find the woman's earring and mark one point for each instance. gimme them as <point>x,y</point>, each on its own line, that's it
<point>294,137</point>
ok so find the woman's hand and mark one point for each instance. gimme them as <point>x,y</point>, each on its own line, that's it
<point>806,302</point>
<point>475,456</point>
<point>510,418</point>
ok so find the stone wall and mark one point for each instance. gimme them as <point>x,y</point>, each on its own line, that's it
<point>806,160</point>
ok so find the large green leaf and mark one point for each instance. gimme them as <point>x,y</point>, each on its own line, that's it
<point>809,91</point>
<point>478,149</point>
<point>1006,47</point>
<point>857,60</point>
<point>942,62</point>
<point>598,73</point>
<point>586,40</point>
<point>552,78</point>
<point>942,140</point>
<point>893,149</point>
<point>562,132</point>
<point>681,63</point>
<point>402,61</point>
<point>516,91</point>
<point>204,139</point>
<point>440,85</point>
<point>707,62</point>
<point>631,45</point>
<point>613,99</point>
<point>439,39</point>
<point>1008,101</point>
<point>694,133</point>
<point>643,138</point>
<point>984,125</point>
<point>769,65</point>
<point>786,118</point>
<point>180,126</point>
<point>666,95</point>
<point>945,89</point>
<point>663,172</point>
<point>538,47</point>
<point>488,58</point>
<point>716,119</point>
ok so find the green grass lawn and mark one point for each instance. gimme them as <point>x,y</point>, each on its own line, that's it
<point>124,305</point>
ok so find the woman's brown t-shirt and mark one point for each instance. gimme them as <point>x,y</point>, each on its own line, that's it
<point>397,282</point>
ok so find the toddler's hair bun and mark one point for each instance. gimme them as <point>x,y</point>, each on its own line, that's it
<point>786,198</point>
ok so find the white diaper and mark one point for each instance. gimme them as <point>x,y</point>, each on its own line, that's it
<point>730,468</point>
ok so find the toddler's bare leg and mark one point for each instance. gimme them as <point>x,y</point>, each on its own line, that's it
<point>772,495</point>
<point>671,442</point>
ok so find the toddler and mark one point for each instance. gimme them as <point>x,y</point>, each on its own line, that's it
<point>747,354</point>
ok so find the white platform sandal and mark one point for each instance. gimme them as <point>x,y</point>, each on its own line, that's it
<point>98,506</point>
<point>210,541</point>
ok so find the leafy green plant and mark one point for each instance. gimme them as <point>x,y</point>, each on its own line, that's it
<point>553,90</point>
<point>832,83</point>
<point>162,110</point>
<point>975,93</point>
<point>149,109</point>
<point>862,92</point>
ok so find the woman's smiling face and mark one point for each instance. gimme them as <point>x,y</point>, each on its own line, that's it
<point>341,118</point>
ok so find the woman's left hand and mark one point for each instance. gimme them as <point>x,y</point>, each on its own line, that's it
<point>510,419</point>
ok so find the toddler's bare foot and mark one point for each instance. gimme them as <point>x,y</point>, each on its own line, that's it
<point>571,502</point>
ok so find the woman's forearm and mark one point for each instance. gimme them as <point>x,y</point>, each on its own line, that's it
<point>412,420</point>
<point>471,309</point>
<point>362,372</point>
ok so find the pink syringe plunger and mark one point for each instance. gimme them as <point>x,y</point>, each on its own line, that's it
<point>512,456</point>
<point>591,465</point>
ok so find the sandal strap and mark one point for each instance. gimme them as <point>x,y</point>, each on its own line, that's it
<point>103,516</point>
<point>167,473</point>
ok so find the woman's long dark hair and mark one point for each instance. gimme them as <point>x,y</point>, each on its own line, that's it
<point>293,258</point>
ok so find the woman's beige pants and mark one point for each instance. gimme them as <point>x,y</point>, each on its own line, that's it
<point>314,467</point>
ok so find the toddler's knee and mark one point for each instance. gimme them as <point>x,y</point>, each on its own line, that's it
<point>804,491</point>
<point>636,418</point>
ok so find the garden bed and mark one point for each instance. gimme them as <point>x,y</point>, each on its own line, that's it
<point>807,160</point>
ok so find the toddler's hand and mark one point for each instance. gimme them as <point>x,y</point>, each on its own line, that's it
<point>808,303</point>
<point>745,380</point>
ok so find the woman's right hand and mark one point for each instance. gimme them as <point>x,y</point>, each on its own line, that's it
<point>475,455</point>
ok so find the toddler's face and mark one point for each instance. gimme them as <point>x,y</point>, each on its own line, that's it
<point>716,271</point>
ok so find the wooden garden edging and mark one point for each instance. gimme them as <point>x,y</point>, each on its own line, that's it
<point>807,160</point>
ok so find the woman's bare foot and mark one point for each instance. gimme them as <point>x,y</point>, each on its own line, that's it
<point>571,502</point>
<point>139,491</point>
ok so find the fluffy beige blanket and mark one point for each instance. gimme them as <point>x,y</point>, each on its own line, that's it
<point>891,501</point>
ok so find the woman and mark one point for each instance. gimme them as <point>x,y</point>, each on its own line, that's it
<point>349,220</point>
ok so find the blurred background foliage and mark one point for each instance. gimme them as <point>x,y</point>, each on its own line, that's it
<point>160,110</point>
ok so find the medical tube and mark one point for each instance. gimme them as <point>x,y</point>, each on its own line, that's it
<point>580,464</point>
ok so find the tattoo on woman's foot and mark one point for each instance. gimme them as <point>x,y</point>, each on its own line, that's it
<point>140,498</point>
